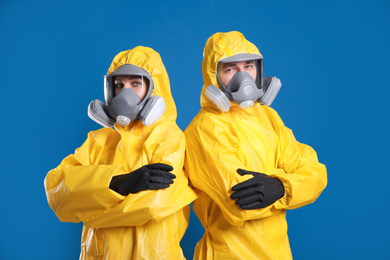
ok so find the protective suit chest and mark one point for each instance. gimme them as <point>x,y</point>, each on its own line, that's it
<point>257,138</point>
<point>128,149</point>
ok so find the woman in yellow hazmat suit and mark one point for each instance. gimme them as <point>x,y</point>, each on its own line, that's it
<point>228,149</point>
<point>147,223</point>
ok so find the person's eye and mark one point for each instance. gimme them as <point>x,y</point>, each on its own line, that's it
<point>119,85</point>
<point>228,70</point>
<point>249,66</point>
<point>137,83</point>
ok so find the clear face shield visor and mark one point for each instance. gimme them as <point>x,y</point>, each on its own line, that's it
<point>131,77</point>
<point>244,60</point>
<point>240,78</point>
<point>138,83</point>
<point>227,70</point>
<point>126,91</point>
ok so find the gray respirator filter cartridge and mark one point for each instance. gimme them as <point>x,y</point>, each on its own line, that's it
<point>272,86</point>
<point>97,111</point>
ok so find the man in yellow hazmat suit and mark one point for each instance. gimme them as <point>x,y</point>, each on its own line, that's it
<point>127,184</point>
<point>246,165</point>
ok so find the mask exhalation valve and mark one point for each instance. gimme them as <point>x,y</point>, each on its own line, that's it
<point>123,120</point>
<point>247,104</point>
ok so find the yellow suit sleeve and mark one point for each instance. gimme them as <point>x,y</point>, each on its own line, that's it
<point>78,191</point>
<point>137,209</point>
<point>303,177</point>
<point>78,188</point>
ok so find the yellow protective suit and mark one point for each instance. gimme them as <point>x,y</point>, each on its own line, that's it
<point>253,139</point>
<point>145,225</point>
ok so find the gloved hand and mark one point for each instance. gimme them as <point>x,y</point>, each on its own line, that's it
<point>149,177</point>
<point>258,192</point>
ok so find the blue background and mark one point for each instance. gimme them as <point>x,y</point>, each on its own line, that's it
<point>333,60</point>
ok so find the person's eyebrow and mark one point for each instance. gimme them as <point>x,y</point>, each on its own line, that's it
<point>228,65</point>
<point>249,62</point>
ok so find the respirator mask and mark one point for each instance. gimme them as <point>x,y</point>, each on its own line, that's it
<point>242,88</point>
<point>126,106</point>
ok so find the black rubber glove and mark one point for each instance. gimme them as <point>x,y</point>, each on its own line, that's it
<point>258,192</point>
<point>149,177</point>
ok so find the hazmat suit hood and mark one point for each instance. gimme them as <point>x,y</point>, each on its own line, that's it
<point>148,59</point>
<point>218,47</point>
